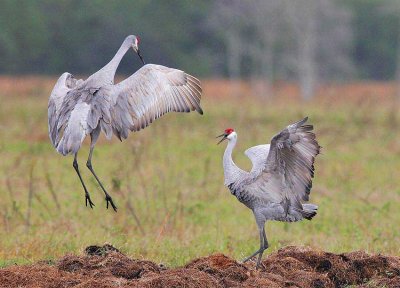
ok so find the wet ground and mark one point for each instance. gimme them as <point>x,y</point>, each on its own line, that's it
<point>288,267</point>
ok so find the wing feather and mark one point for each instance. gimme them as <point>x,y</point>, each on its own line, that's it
<point>292,155</point>
<point>64,84</point>
<point>150,93</point>
<point>285,174</point>
<point>258,156</point>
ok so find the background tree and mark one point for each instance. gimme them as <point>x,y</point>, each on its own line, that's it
<point>308,41</point>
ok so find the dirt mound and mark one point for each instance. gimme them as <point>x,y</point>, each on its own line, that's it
<point>309,268</point>
<point>105,266</point>
<point>227,271</point>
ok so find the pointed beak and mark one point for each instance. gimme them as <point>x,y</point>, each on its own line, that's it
<point>137,51</point>
<point>224,137</point>
<point>140,56</point>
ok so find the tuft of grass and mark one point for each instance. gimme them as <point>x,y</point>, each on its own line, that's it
<point>167,180</point>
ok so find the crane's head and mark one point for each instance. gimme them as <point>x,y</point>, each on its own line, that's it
<point>228,134</point>
<point>135,40</point>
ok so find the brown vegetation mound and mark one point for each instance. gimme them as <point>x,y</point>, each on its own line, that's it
<point>105,266</point>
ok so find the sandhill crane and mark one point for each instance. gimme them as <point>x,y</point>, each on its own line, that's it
<point>279,180</point>
<point>78,108</point>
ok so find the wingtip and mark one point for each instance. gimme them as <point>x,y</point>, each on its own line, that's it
<point>301,122</point>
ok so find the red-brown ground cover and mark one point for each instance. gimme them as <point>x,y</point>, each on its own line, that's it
<point>288,267</point>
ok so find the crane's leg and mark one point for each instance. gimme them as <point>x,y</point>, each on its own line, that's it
<point>94,136</point>
<point>266,245</point>
<point>87,196</point>
<point>263,246</point>
<point>259,250</point>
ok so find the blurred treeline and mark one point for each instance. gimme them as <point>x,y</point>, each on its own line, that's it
<point>305,40</point>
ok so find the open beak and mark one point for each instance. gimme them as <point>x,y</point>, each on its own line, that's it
<point>224,137</point>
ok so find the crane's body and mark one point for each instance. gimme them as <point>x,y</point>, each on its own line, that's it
<point>78,108</point>
<point>280,179</point>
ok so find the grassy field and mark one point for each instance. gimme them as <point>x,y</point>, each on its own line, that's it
<point>167,180</point>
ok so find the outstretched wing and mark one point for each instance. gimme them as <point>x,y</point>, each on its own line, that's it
<point>291,156</point>
<point>258,156</point>
<point>285,174</point>
<point>65,83</point>
<point>148,94</point>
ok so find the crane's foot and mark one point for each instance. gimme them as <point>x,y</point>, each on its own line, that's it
<point>259,261</point>
<point>88,200</point>
<point>109,200</point>
<point>259,253</point>
<point>251,256</point>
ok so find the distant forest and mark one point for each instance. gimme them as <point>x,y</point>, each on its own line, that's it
<point>271,39</point>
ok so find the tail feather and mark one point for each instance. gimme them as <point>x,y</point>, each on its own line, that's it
<point>309,211</point>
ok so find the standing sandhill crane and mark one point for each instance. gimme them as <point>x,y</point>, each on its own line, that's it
<point>279,180</point>
<point>78,108</point>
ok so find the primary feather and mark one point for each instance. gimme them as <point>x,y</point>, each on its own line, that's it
<point>148,94</point>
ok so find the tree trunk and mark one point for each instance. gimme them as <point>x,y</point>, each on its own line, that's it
<point>307,50</point>
<point>398,65</point>
<point>267,68</point>
<point>234,56</point>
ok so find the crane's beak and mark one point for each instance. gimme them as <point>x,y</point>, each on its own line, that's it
<point>224,137</point>
<point>140,56</point>
<point>137,51</point>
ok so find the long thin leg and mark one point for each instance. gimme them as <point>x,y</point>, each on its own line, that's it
<point>258,251</point>
<point>87,196</point>
<point>265,239</point>
<point>94,136</point>
<point>263,246</point>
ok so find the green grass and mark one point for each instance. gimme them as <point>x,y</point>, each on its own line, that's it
<point>170,176</point>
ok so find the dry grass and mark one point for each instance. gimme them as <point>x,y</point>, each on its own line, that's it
<point>167,180</point>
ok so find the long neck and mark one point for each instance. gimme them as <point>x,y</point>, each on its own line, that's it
<point>231,171</point>
<point>111,67</point>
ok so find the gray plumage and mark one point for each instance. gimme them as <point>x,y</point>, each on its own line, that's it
<point>280,179</point>
<point>78,108</point>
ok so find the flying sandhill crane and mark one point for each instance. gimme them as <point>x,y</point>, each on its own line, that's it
<point>78,108</point>
<point>279,180</point>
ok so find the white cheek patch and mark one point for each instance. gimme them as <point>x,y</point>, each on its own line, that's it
<point>231,136</point>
